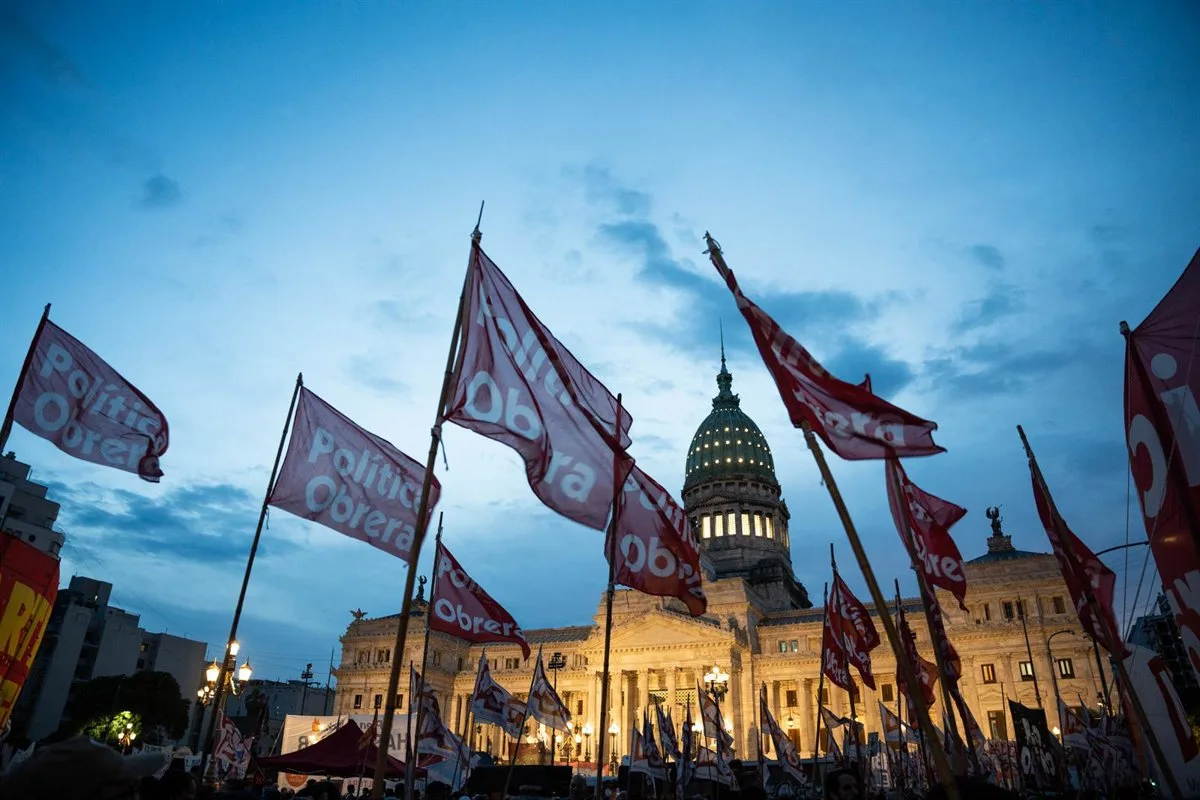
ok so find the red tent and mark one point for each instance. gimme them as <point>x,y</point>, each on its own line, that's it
<point>341,754</point>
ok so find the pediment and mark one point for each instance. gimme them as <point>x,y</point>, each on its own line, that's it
<point>664,629</point>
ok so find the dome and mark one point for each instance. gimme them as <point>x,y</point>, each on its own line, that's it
<point>728,445</point>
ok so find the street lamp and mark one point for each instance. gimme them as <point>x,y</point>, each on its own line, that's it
<point>1054,668</point>
<point>306,676</point>
<point>127,736</point>
<point>697,732</point>
<point>217,691</point>
<point>613,731</point>
<point>557,662</point>
<point>717,683</point>
<point>587,741</point>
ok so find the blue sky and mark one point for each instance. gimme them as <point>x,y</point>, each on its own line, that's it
<point>962,198</point>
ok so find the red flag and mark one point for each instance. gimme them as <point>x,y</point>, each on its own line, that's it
<point>462,608</point>
<point>849,622</point>
<point>929,519</point>
<point>71,398</point>
<point>834,662</point>
<point>28,586</point>
<point>350,480</point>
<point>1162,417</point>
<point>520,386</point>
<point>852,421</point>
<point>1079,571</point>
<point>658,553</point>
<point>927,672</point>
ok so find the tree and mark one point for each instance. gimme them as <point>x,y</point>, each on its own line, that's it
<point>153,699</point>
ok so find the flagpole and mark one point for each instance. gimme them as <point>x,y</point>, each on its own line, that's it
<point>6,427</point>
<point>219,690</point>
<point>435,438</point>
<point>849,692</point>
<point>410,770</point>
<point>906,668</point>
<point>512,762</point>
<point>611,546</point>
<point>821,677</point>
<point>762,759</point>
<point>1029,652</point>
<point>1097,618</point>
<point>926,593</point>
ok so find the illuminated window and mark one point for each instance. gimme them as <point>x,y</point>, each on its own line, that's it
<point>719,525</point>
<point>706,526</point>
<point>758,526</point>
<point>746,524</point>
<point>730,524</point>
<point>770,527</point>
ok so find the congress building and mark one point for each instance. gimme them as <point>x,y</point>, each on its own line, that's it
<point>761,627</point>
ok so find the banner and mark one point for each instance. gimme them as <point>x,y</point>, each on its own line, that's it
<point>834,662</point>
<point>544,703</point>
<point>928,518</point>
<point>1154,687</point>
<point>71,398</point>
<point>684,765</point>
<point>1162,384</point>
<point>1035,748</point>
<point>545,405</point>
<point>926,672</point>
<point>657,552</point>
<point>785,749</point>
<point>28,587</point>
<point>461,608</point>
<point>848,621</point>
<point>350,480</point>
<point>853,422</point>
<point>666,732</point>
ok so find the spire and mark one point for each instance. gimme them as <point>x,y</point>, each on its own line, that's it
<point>725,397</point>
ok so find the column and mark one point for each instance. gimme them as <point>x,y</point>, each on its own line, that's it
<point>643,678</point>
<point>747,697</point>
<point>808,712</point>
<point>671,677</point>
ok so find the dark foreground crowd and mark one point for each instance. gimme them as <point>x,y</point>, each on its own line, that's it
<point>80,769</point>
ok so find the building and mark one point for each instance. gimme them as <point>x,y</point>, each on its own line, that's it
<point>87,638</point>
<point>25,511</point>
<point>261,707</point>
<point>760,627</point>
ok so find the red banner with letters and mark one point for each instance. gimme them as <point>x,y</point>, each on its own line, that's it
<point>929,519</point>
<point>657,552</point>
<point>460,607</point>
<point>926,671</point>
<point>849,623</point>
<point>1162,422</point>
<point>520,386</point>
<point>71,398</point>
<point>853,422</point>
<point>350,480</point>
<point>28,586</point>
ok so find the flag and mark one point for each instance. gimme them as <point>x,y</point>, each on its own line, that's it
<point>852,421</point>
<point>28,588</point>
<point>834,663</point>
<point>515,713</point>
<point>653,765</point>
<point>657,553</point>
<point>518,385</point>
<point>714,725</point>
<point>849,623</point>
<point>925,521</point>
<point>895,729</point>
<point>463,609</point>
<point>1035,748</point>
<point>490,702</point>
<point>350,480</point>
<point>544,703</point>
<point>926,672</point>
<point>666,733</point>
<point>73,399</point>
<point>1162,420</point>
<point>1081,569</point>
<point>785,749</point>
<point>684,766</point>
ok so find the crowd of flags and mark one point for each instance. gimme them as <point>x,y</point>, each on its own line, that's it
<point>513,381</point>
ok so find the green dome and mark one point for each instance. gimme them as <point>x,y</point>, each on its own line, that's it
<point>728,445</point>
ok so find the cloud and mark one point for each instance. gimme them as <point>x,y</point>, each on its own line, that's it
<point>1002,300</point>
<point>50,61</point>
<point>856,358</point>
<point>370,373</point>
<point>159,192</point>
<point>600,188</point>
<point>203,522</point>
<point>1007,367</point>
<point>987,255</point>
<point>219,231</point>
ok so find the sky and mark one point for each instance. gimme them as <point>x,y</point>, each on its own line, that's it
<point>963,199</point>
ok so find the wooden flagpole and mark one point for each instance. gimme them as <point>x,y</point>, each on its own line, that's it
<point>611,545</point>
<point>214,731</point>
<point>926,593</point>
<point>435,439</point>
<point>820,678</point>
<point>411,767</point>
<point>6,427</point>
<point>907,669</point>
<point>1097,617</point>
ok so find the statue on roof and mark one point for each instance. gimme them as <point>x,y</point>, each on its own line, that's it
<point>421,589</point>
<point>993,513</point>
<point>358,614</point>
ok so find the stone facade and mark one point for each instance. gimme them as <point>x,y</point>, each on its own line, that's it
<point>760,627</point>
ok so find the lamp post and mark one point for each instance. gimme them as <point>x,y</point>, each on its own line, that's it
<point>217,694</point>
<point>306,676</point>
<point>1054,670</point>
<point>716,681</point>
<point>697,732</point>
<point>126,738</point>
<point>587,741</point>
<point>557,662</point>
<point>613,731</point>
